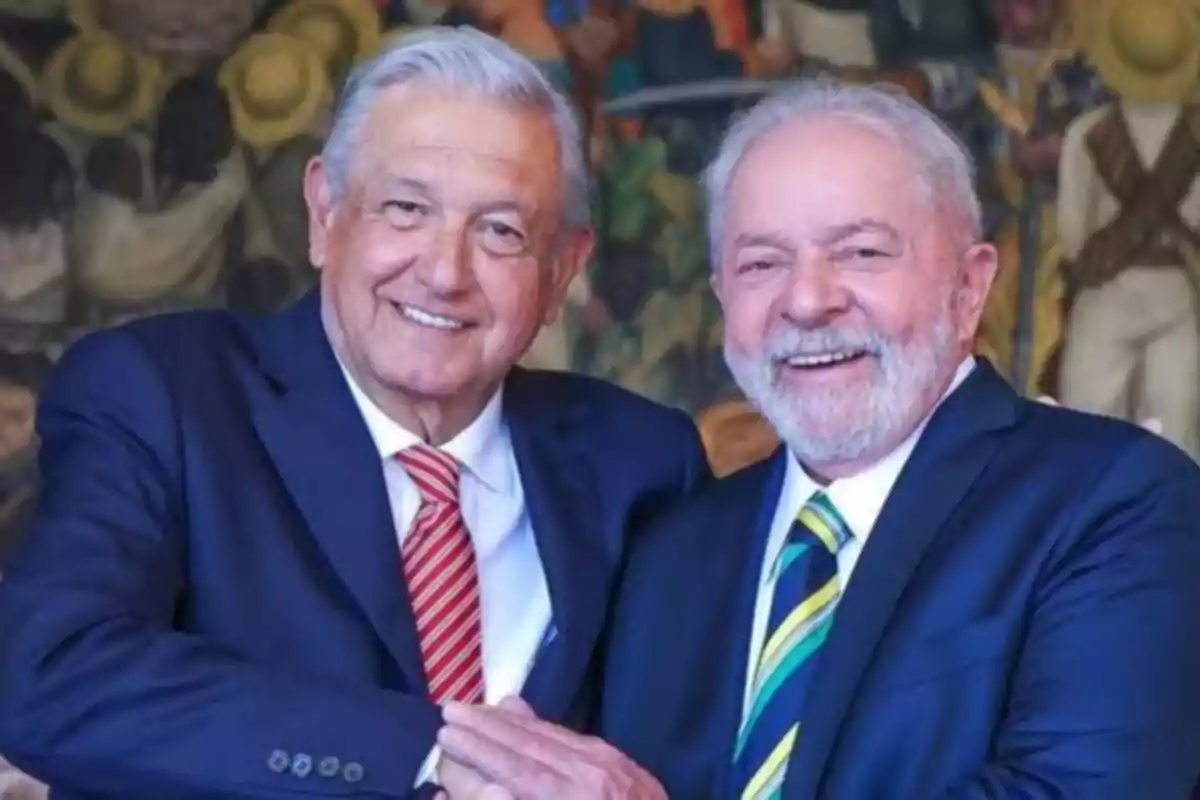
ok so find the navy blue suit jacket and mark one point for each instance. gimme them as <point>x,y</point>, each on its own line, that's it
<point>213,574</point>
<point>1024,621</point>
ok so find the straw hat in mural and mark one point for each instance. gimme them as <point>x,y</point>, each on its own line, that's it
<point>14,65</point>
<point>277,86</point>
<point>1147,50</point>
<point>97,83</point>
<point>342,31</point>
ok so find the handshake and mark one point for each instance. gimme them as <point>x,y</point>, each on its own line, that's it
<point>506,752</point>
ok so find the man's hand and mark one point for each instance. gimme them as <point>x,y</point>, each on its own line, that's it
<point>460,782</point>
<point>535,760</point>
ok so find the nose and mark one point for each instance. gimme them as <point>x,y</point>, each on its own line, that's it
<point>815,293</point>
<point>448,267</point>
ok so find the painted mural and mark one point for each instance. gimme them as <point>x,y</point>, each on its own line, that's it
<point>152,152</point>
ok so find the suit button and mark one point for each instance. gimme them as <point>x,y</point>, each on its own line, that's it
<point>279,761</point>
<point>352,772</point>
<point>302,765</point>
<point>329,767</point>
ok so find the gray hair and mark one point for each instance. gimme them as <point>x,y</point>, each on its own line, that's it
<point>471,61</point>
<point>943,163</point>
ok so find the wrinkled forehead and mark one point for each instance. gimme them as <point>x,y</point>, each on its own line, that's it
<point>825,171</point>
<point>454,141</point>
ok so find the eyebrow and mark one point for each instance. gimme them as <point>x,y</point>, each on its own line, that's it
<point>394,182</point>
<point>764,240</point>
<point>840,233</point>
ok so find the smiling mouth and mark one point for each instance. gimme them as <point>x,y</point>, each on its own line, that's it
<point>818,361</point>
<point>428,319</point>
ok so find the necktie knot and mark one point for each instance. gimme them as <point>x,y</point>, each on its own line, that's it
<point>435,473</point>
<point>820,518</point>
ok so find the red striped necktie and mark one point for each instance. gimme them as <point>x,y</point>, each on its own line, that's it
<point>443,580</point>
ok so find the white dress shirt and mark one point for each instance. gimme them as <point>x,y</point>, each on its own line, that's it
<point>859,499</point>
<point>514,596</point>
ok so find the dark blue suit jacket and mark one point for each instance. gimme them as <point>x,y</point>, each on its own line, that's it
<point>213,574</point>
<point>1024,621</point>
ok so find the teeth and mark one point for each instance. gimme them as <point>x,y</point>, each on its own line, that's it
<point>428,319</point>
<point>821,359</point>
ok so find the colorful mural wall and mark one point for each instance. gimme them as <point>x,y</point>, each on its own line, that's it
<point>152,153</point>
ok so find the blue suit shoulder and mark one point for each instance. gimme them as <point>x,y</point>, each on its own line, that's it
<point>596,394</point>
<point>180,342</point>
<point>1065,440</point>
<point>622,433</point>
<point>715,519</point>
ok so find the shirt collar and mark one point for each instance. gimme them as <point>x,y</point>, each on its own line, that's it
<point>482,447</point>
<point>858,498</point>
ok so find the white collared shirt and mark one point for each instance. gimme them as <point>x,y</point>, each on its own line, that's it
<point>514,596</point>
<point>859,499</point>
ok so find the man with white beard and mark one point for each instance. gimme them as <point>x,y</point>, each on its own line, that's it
<point>1020,620</point>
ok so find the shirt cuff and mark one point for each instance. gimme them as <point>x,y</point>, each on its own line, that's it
<point>428,771</point>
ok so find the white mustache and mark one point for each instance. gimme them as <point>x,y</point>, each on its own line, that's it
<point>796,343</point>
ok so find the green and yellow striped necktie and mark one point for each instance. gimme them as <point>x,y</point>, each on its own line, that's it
<point>806,593</point>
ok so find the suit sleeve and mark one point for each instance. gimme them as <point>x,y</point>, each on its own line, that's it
<point>697,472</point>
<point>98,692</point>
<point>1105,702</point>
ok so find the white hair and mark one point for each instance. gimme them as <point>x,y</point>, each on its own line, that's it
<point>942,162</point>
<point>467,60</point>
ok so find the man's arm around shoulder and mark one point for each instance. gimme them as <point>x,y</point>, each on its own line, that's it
<point>97,692</point>
<point>1105,701</point>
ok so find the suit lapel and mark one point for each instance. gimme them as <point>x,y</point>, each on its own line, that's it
<point>564,511</point>
<point>323,451</point>
<point>951,455</point>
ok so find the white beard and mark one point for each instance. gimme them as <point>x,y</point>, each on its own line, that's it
<point>840,424</point>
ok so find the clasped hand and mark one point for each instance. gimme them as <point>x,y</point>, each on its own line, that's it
<point>508,753</point>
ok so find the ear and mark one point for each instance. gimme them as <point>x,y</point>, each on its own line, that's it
<point>976,272</point>
<point>569,261</point>
<point>714,281</point>
<point>318,197</point>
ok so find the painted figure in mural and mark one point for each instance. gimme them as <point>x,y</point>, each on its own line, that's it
<point>161,243</point>
<point>37,198</point>
<point>281,97</point>
<point>1038,85</point>
<point>37,190</point>
<point>904,31</point>
<point>1129,222</point>
<point>182,35</point>
<point>817,35</point>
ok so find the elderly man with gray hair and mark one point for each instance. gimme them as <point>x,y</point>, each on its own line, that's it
<point>934,588</point>
<point>270,550</point>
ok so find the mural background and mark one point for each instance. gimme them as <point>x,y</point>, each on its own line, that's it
<point>152,151</point>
